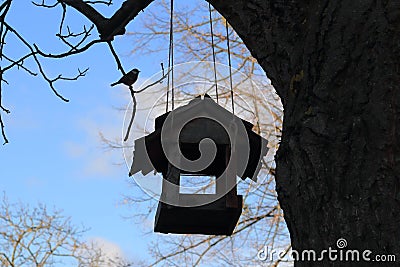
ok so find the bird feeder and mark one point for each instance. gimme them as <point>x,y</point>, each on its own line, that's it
<point>199,139</point>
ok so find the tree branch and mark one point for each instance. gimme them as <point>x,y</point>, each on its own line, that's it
<point>89,12</point>
<point>127,12</point>
<point>108,28</point>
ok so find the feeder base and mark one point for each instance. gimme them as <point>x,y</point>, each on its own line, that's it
<point>216,218</point>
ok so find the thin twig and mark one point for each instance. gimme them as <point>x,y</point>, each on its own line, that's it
<point>133,113</point>
<point>154,83</point>
<point>117,60</point>
<point>3,133</point>
<point>133,92</point>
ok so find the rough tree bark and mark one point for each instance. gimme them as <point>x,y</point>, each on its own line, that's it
<point>335,65</point>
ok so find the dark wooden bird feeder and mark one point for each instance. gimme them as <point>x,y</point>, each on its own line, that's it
<point>235,155</point>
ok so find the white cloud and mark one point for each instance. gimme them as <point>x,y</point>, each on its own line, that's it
<point>112,254</point>
<point>110,249</point>
<point>101,165</point>
<point>88,150</point>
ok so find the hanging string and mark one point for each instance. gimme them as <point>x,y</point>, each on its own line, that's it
<point>230,64</point>
<point>171,58</point>
<point>169,65</point>
<point>213,51</point>
<point>172,53</point>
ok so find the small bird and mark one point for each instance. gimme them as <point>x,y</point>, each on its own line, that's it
<point>129,78</point>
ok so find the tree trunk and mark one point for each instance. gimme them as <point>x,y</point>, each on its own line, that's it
<point>335,65</point>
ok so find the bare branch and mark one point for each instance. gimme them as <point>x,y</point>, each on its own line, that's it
<point>134,99</point>
<point>2,130</point>
<point>108,3</point>
<point>37,237</point>
<point>133,113</point>
<point>117,60</point>
<point>108,28</point>
<point>69,53</point>
<point>156,82</point>
<point>43,4</point>
<point>89,12</point>
<point>127,12</point>
<point>76,42</point>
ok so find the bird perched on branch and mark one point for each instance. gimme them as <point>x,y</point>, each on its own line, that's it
<point>129,78</point>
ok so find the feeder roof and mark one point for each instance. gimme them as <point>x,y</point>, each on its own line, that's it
<point>190,124</point>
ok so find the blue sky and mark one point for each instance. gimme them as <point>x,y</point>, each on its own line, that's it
<point>55,155</point>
